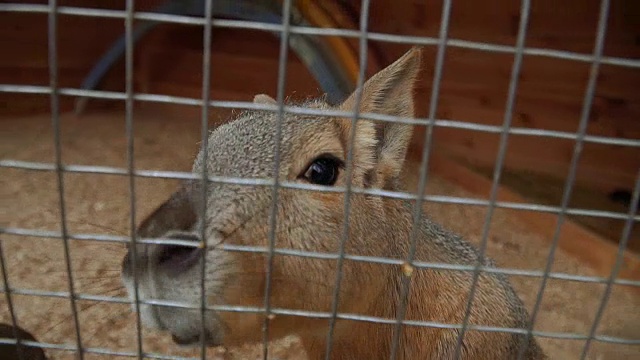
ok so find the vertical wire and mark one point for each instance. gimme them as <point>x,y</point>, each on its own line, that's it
<point>282,74</point>
<point>504,136</point>
<point>424,172</point>
<point>129,102</point>
<point>55,119</point>
<point>624,240</point>
<point>364,19</point>
<point>206,93</point>
<point>577,151</point>
<point>7,292</point>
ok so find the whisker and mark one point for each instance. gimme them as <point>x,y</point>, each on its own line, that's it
<point>106,283</point>
<point>112,230</point>
<point>97,278</point>
<point>58,323</point>
<point>109,256</point>
<point>116,290</point>
<point>105,286</point>
<point>98,287</point>
<point>108,320</point>
<point>83,270</point>
<point>104,245</point>
<point>99,302</point>
<point>99,275</point>
<point>108,228</point>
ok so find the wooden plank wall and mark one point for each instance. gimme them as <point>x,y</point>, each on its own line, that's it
<point>475,83</point>
<point>167,61</point>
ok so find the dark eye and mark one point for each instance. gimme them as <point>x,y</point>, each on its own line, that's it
<point>323,171</point>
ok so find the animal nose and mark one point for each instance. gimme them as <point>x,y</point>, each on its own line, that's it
<point>178,258</point>
<point>126,264</point>
<point>172,258</point>
<point>128,261</point>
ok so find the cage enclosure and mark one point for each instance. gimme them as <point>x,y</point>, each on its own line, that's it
<point>525,142</point>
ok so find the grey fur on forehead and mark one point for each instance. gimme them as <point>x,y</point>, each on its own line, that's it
<point>245,146</point>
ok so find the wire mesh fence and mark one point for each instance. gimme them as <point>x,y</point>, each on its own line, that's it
<point>442,42</point>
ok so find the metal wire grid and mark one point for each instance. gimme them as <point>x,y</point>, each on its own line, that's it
<point>422,181</point>
<point>502,150</point>
<point>364,19</point>
<point>364,35</point>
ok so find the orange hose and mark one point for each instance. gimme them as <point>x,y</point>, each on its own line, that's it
<point>317,16</point>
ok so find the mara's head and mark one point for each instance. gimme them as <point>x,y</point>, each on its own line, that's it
<point>313,150</point>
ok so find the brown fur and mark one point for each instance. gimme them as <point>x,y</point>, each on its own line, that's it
<point>313,221</point>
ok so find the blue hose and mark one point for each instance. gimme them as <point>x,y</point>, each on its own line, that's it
<point>317,57</point>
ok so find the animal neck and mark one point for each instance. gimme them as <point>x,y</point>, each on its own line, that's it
<point>354,339</point>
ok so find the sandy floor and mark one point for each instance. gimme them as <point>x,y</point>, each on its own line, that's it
<point>100,204</point>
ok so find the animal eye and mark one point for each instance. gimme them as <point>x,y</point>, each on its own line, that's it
<point>323,171</point>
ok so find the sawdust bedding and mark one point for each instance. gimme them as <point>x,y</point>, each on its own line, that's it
<point>100,204</point>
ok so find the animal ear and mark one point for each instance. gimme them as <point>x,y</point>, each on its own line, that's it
<point>264,99</point>
<point>175,214</point>
<point>382,145</point>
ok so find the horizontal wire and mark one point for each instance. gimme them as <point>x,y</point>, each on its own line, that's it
<point>320,315</point>
<point>177,175</point>
<point>320,255</point>
<point>223,104</point>
<point>306,30</point>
